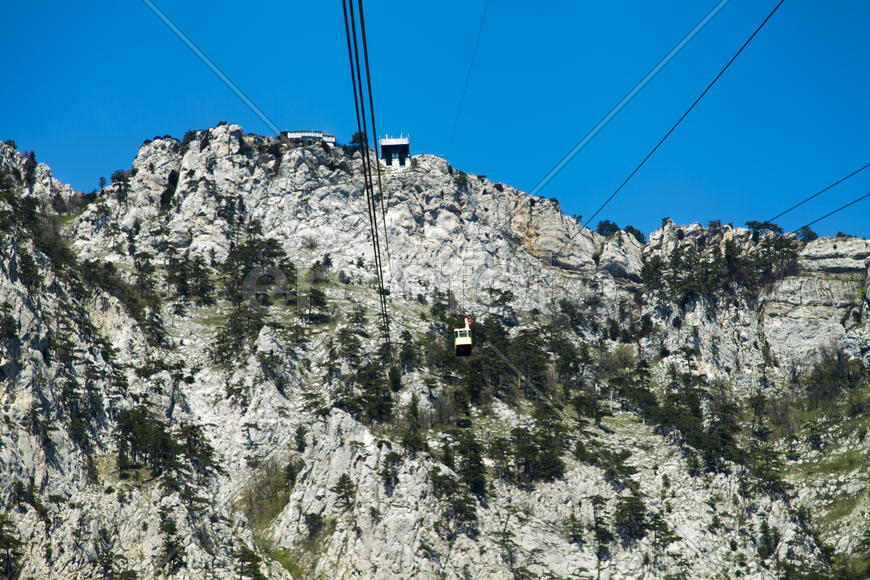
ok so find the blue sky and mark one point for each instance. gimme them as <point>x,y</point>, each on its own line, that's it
<point>86,83</point>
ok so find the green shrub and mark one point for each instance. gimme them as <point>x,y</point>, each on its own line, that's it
<point>390,471</point>
<point>471,469</point>
<point>188,139</point>
<point>536,455</point>
<point>606,228</point>
<point>10,548</point>
<point>28,271</point>
<point>28,495</point>
<point>190,277</point>
<point>169,191</point>
<point>285,558</point>
<point>768,541</point>
<point>121,177</point>
<point>573,529</point>
<point>411,435</point>
<point>460,512</point>
<point>30,168</point>
<point>8,324</point>
<point>292,470</point>
<point>240,329</point>
<point>368,395</point>
<point>142,303</point>
<point>142,438</point>
<point>248,564</point>
<point>345,490</point>
<point>638,235</point>
<point>299,437</point>
<point>254,251</point>
<point>314,523</point>
<point>630,519</point>
<point>831,378</point>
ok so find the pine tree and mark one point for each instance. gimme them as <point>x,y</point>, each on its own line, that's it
<point>248,564</point>
<point>10,548</point>
<point>471,469</point>
<point>630,519</point>
<point>412,438</point>
<point>408,357</point>
<point>345,489</point>
<point>573,529</point>
<point>30,169</point>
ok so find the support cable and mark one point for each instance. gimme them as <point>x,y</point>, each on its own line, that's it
<point>818,193</point>
<point>672,129</point>
<point>381,190</point>
<point>829,214</point>
<point>620,105</point>
<point>626,99</point>
<point>686,114</point>
<point>370,196</point>
<point>468,77</point>
<point>368,181</point>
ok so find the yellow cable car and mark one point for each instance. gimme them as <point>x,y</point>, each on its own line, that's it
<point>462,338</point>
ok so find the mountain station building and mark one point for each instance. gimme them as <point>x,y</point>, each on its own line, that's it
<point>307,137</point>
<point>395,150</point>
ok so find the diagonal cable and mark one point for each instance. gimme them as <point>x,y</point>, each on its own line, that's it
<point>829,214</point>
<point>686,114</point>
<point>625,100</point>
<point>362,126</point>
<point>672,129</point>
<point>468,77</point>
<point>362,24</point>
<point>818,193</point>
<point>214,68</point>
<point>619,106</point>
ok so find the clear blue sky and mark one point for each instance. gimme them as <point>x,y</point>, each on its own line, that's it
<point>87,82</point>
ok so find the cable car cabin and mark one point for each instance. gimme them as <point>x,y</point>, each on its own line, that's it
<point>462,342</point>
<point>462,339</point>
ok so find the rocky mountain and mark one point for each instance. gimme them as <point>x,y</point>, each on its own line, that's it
<point>195,384</point>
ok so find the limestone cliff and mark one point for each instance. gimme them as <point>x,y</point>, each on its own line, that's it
<point>161,418</point>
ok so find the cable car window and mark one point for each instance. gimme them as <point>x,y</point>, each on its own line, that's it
<point>463,333</point>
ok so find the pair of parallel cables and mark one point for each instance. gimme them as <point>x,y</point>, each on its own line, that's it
<point>362,122</point>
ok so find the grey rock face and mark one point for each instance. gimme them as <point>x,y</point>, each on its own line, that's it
<point>622,256</point>
<point>823,304</point>
<point>447,231</point>
<point>37,180</point>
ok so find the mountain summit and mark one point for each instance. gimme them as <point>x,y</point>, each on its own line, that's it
<point>195,382</point>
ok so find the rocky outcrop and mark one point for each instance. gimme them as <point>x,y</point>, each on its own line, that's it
<point>823,304</point>
<point>269,411</point>
<point>622,256</point>
<point>36,180</point>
